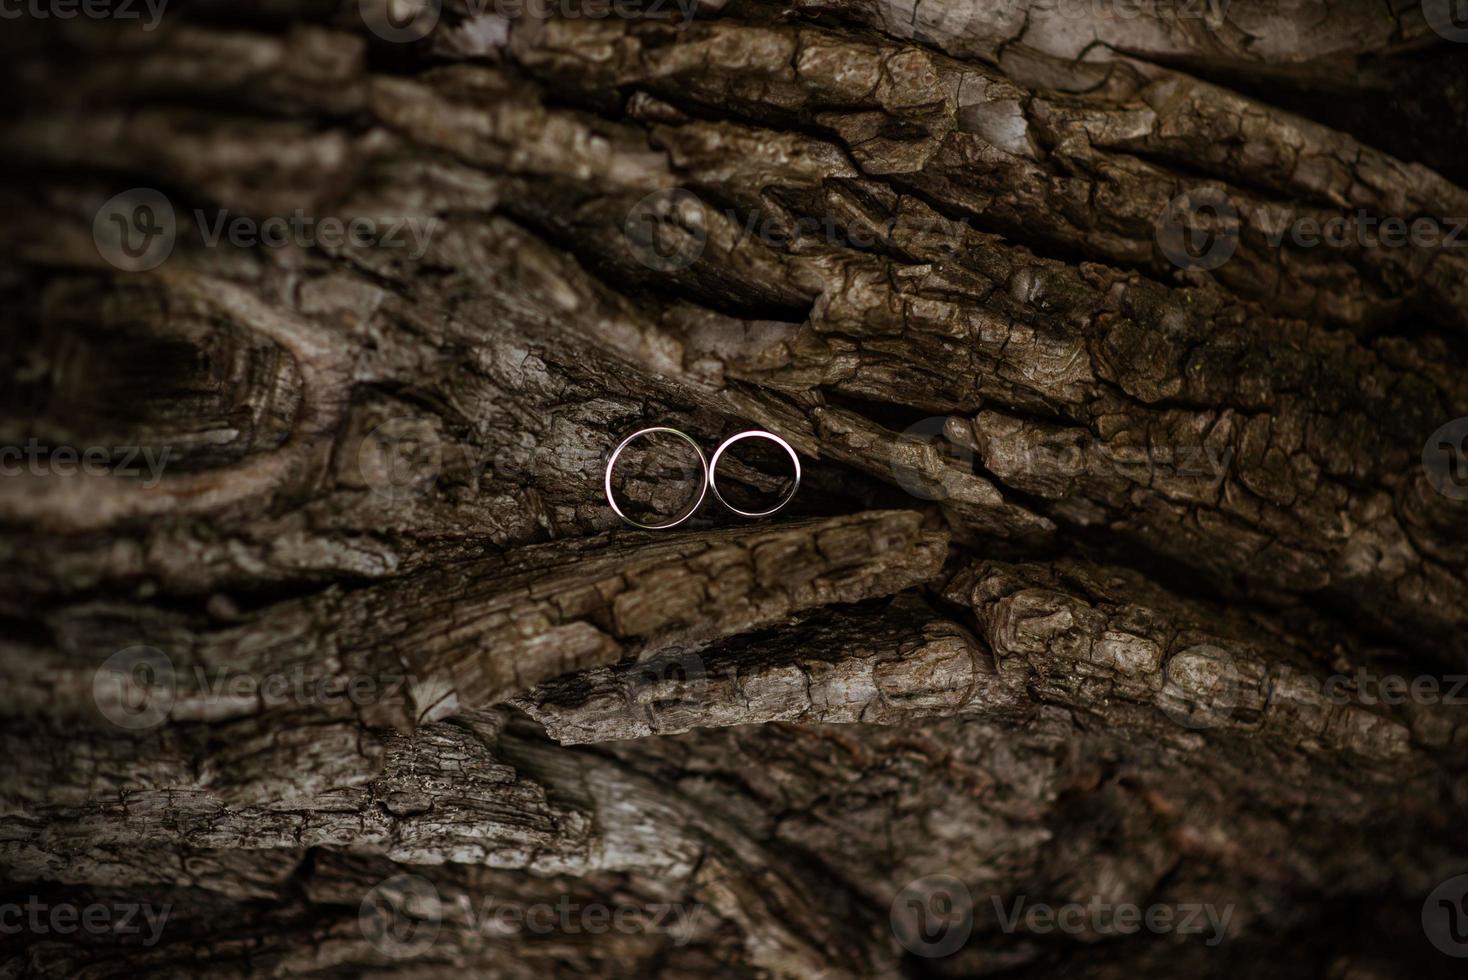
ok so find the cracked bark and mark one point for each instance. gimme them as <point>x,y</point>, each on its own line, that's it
<point>1080,641</point>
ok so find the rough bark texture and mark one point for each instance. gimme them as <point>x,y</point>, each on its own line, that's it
<point>1085,597</point>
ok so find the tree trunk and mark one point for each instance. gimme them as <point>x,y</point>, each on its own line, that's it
<point>1127,571</point>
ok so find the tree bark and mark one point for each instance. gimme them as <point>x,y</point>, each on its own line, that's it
<point>1105,558</point>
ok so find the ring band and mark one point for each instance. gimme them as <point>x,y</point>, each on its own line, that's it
<point>754,434</point>
<point>702,490</point>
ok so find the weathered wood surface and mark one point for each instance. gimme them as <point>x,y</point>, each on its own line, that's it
<point>1080,600</point>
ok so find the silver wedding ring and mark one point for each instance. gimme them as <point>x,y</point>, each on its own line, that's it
<point>709,475</point>
<point>702,489</point>
<point>754,434</point>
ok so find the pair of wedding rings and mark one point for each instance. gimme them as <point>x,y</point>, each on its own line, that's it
<point>710,474</point>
